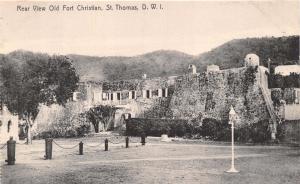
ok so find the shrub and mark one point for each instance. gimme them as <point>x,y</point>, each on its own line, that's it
<point>243,134</point>
<point>215,129</point>
<point>221,131</point>
<point>260,131</point>
<point>257,132</point>
<point>67,124</point>
<point>53,132</point>
<point>211,128</point>
<point>279,81</point>
<point>157,127</point>
<point>276,96</point>
<point>281,131</point>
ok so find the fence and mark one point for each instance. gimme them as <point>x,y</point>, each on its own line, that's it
<point>11,146</point>
<point>3,146</point>
<point>80,145</point>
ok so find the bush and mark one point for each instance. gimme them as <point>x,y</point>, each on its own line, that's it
<point>79,131</point>
<point>279,81</point>
<point>215,129</point>
<point>260,132</point>
<point>157,127</point>
<point>221,131</point>
<point>281,132</point>
<point>211,128</point>
<point>257,132</point>
<point>73,127</point>
<point>276,96</point>
<point>243,134</point>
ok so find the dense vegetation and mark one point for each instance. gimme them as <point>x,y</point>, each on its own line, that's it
<point>103,114</point>
<point>281,50</point>
<point>25,86</point>
<point>157,127</point>
<point>210,128</point>
<point>221,131</point>
<point>279,81</point>
<point>68,121</point>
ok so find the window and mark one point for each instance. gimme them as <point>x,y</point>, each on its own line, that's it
<point>133,95</point>
<point>76,96</point>
<point>111,96</point>
<point>155,93</point>
<point>8,126</point>
<point>163,92</point>
<point>148,94</point>
<point>1,107</point>
<point>297,96</point>
<point>105,96</point>
<point>118,96</point>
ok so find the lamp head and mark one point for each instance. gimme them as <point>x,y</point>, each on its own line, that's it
<point>232,115</point>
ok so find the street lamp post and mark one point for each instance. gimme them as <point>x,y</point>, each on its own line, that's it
<point>232,118</point>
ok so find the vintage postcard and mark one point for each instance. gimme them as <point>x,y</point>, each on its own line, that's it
<point>146,92</point>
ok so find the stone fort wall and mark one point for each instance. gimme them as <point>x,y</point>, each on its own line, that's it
<point>210,95</point>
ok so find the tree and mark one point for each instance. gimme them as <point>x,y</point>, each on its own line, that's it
<point>104,114</point>
<point>35,82</point>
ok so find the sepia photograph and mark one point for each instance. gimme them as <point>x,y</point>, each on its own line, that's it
<point>149,92</point>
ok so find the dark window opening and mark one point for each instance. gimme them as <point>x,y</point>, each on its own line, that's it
<point>118,96</point>
<point>133,95</point>
<point>1,105</point>
<point>104,96</point>
<point>163,92</point>
<point>148,93</point>
<point>112,96</point>
<point>8,126</point>
<point>297,99</point>
<point>155,93</point>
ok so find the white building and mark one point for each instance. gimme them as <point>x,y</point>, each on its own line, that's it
<point>8,125</point>
<point>251,60</point>
<point>192,69</point>
<point>292,110</point>
<point>286,70</point>
<point>213,68</point>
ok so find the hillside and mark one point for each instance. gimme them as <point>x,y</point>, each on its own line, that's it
<point>158,63</point>
<point>281,50</point>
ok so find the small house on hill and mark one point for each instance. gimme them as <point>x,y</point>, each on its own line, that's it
<point>286,70</point>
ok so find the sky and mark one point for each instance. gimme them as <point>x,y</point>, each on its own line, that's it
<point>191,27</point>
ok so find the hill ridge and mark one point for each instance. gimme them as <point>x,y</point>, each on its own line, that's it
<point>161,63</point>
